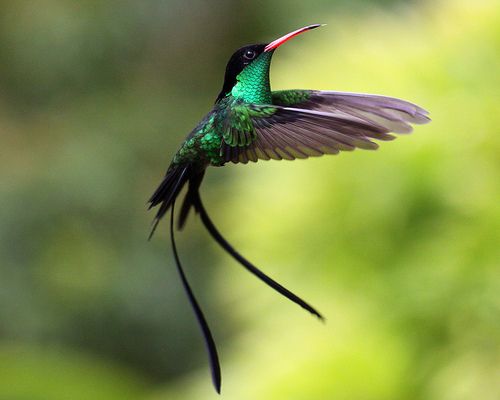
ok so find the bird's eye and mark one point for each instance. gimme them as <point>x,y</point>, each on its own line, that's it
<point>249,54</point>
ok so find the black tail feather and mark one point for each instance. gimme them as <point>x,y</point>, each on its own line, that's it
<point>175,179</point>
<point>243,261</point>
<point>165,196</point>
<point>209,341</point>
<point>194,184</point>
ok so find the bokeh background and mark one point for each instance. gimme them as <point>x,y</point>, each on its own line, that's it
<point>399,248</point>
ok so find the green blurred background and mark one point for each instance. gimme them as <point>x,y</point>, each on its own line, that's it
<point>399,248</point>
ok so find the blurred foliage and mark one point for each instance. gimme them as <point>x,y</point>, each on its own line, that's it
<point>399,248</point>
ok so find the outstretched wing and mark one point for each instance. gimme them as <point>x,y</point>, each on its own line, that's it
<point>308,123</point>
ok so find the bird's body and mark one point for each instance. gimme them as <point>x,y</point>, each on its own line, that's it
<point>249,122</point>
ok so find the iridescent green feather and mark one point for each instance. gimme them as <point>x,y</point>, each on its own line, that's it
<point>253,82</point>
<point>290,97</point>
<point>238,125</point>
<point>202,145</point>
<point>231,122</point>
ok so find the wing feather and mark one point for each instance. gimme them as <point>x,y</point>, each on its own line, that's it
<point>320,122</point>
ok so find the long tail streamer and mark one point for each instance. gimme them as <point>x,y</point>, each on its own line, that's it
<point>209,341</point>
<point>244,262</point>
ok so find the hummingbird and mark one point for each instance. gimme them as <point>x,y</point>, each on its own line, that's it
<point>250,122</point>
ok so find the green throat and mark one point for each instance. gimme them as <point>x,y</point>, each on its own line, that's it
<point>252,84</point>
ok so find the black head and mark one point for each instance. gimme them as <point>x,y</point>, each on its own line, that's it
<point>238,61</point>
<point>244,56</point>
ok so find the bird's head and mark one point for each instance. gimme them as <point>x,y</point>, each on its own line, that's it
<point>247,72</point>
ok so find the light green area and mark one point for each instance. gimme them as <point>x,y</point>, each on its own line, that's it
<point>51,373</point>
<point>398,248</point>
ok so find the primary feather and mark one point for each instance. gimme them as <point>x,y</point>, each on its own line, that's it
<point>310,123</point>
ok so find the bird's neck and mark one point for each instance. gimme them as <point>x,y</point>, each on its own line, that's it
<point>252,84</point>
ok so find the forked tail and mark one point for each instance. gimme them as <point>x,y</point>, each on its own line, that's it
<point>176,178</point>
